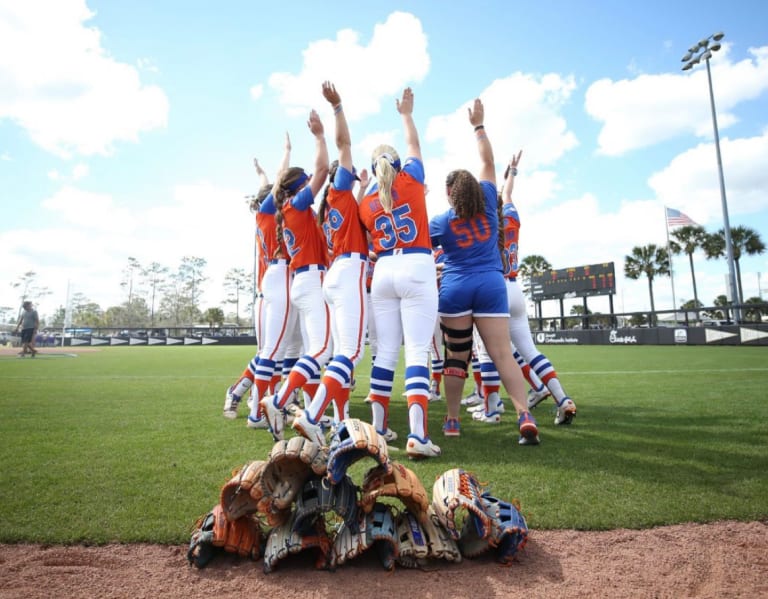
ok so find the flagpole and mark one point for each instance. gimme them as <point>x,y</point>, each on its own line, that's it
<point>671,270</point>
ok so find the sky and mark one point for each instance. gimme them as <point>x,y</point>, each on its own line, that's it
<point>129,129</point>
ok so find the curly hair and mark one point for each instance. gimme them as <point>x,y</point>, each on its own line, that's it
<point>465,193</point>
<point>287,185</point>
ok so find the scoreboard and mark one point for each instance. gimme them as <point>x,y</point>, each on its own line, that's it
<point>577,281</point>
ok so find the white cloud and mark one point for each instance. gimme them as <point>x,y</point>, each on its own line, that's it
<point>256,91</point>
<point>97,233</point>
<point>521,111</point>
<point>690,181</point>
<point>63,88</point>
<point>649,109</point>
<point>348,64</point>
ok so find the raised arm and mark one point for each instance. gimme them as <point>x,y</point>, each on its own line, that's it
<point>364,181</point>
<point>321,153</point>
<point>263,179</point>
<point>343,139</point>
<point>405,108</point>
<point>284,164</point>
<point>286,154</point>
<point>509,180</point>
<point>476,119</point>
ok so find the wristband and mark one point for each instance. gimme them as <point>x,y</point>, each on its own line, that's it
<point>337,109</point>
<point>513,171</point>
<point>478,127</point>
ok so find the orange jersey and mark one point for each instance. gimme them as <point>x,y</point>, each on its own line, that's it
<point>511,239</point>
<point>301,233</point>
<point>342,227</point>
<point>407,226</point>
<point>261,257</point>
<point>266,231</point>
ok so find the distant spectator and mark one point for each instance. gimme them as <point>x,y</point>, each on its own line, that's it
<point>28,324</point>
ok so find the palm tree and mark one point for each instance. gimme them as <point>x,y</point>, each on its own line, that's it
<point>756,308</point>
<point>745,241</point>
<point>649,260</point>
<point>688,239</point>
<point>533,266</point>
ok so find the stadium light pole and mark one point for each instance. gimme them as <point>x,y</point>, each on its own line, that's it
<point>703,51</point>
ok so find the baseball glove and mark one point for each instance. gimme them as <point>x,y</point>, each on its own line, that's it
<point>400,482</point>
<point>318,498</point>
<point>352,441</point>
<point>244,492</point>
<point>441,544</point>
<point>509,531</point>
<point>382,531</point>
<point>412,544</point>
<point>214,531</point>
<point>376,529</point>
<point>457,489</point>
<point>283,540</point>
<point>289,466</point>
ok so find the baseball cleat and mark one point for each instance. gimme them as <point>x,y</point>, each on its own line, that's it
<point>451,427</point>
<point>529,432</point>
<point>566,410</point>
<point>257,423</point>
<point>492,418</point>
<point>306,428</point>
<point>275,417</point>
<point>472,399</point>
<point>389,435</point>
<point>230,404</point>
<point>536,396</point>
<point>418,449</point>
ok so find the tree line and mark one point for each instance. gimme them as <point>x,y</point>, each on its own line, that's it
<point>157,296</point>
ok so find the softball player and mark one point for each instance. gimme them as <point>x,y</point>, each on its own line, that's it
<point>403,290</point>
<point>272,315</point>
<point>294,193</point>
<point>472,288</point>
<point>519,329</point>
<point>344,285</point>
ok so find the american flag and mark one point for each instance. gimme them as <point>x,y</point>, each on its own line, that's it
<point>675,218</point>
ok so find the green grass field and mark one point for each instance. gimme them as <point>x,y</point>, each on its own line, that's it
<point>129,444</point>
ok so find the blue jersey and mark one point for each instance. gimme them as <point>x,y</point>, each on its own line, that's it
<point>470,245</point>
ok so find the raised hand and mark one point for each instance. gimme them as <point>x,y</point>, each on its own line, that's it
<point>315,124</point>
<point>405,104</point>
<point>330,93</point>
<point>476,113</point>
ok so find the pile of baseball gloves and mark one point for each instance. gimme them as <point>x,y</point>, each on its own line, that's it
<point>301,498</point>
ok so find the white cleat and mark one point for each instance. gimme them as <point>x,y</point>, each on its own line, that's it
<point>275,417</point>
<point>257,423</point>
<point>230,404</point>
<point>536,397</point>
<point>418,449</point>
<point>565,411</point>
<point>472,400</point>
<point>307,429</point>
<point>492,418</point>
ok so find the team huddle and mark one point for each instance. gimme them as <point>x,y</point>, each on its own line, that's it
<point>367,261</point>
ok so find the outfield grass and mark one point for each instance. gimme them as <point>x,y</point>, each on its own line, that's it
<point>129,444</point>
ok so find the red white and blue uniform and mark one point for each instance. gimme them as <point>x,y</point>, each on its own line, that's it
<point>403,293</point>
<point>308,251</point>
<point>472,281</point>
<point>278,321</point>
<point>344,291</point>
